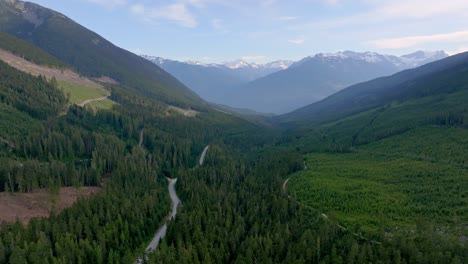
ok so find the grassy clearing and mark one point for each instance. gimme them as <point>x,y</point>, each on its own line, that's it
<point>79,93</point>
<point>379,189</point>
<point>432,143</point>
<point>105,104</point>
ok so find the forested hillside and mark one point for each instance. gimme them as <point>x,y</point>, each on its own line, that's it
<point>381,180</point>
<point>438,78</point>
<point>391,160</point>
<point>42,149</point>
<point>90,54</point>
<point>27,51</point>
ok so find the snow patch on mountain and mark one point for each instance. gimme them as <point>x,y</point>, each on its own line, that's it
<point>237,64</point>
<point>407,61</point>
<point>402,62</point>
<point>279,64</point>
<point>233,65</point>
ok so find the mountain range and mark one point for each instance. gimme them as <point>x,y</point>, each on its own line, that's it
<point>436,79</point>
<point>374,173</point>
<point>211,80</point>
<point>282,86</point>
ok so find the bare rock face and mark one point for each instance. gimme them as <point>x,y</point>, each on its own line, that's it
<point>32,13</point>
<point>12,1</point>
<point>35,14</point>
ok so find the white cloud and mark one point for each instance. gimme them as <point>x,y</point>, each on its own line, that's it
<point>137,9</point>
<point>217,24</point>
<point>196,3</point>
<point>268,2</point>
<point>298,41</point>
<point>288,18</point>
<point>422,8</point>
<point>332,2</point>
<point>109,3</point>
<point>396,12</point>
<point>177,13</point>
<point>411,41</point>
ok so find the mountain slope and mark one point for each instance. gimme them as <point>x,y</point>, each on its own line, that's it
<point>314,78</point>
<point>91,54</point>
<point>212,81</point>
<point>438,78</point>
<point>33,95</point>
<point>208,81</point>
<point>398,143</point>
<point>27,58</point>
<point>28,52</point>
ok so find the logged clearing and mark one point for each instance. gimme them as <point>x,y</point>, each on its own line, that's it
<point>81,89</point>
<point>187,113</point>
<point>24,206</point>
<point>36,70</point>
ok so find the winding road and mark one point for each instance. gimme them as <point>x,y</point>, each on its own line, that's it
<point>161,232</point>
<point>140,142</point>
<point>284,187</point>
<point>93,100</point>
<point>202,157</point>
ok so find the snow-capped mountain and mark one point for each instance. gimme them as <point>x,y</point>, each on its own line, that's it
<point>316,77</point>
<point>419,58</point>
<point>212,80</point>
<point>283,64</point>
<point>412,60</point>
<point>236,64</point>
<point>281,86</point>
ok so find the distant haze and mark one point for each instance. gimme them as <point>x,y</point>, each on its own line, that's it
<point>282,86</point>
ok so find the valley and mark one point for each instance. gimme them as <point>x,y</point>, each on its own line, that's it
<point>283,86</point>
<point>107,157</point>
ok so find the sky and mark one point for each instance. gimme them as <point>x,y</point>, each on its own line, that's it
<point>267,30</point>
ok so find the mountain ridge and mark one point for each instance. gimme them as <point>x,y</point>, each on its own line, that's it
<point>62,37</point>
<point>429,79</point>
<point>314,78</point>
<point>283,85</point>
<point>212,80</point>
<point>235,64</point>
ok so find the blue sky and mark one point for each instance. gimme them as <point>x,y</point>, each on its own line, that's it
<point>267,30</point>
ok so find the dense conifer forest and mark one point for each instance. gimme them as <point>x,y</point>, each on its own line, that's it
<point>382,184</point>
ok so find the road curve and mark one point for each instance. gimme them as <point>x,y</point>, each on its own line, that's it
<point>93,100</point>
<point>285,183</point>
<point>175,203</point>
<point>202,157</point>
<point>163,229</point>
<point>140,141</point>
